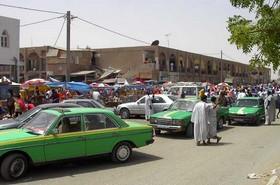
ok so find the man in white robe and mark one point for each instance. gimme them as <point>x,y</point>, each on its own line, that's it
<point>273,106</point>
<point>148,107</point>
<point>199,118</point>
<point>267,107</point>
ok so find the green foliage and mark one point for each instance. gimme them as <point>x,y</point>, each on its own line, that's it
<point>260,36</point>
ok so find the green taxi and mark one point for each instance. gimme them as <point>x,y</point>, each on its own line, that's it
<point>178,117</point>
<point>247,109</point>
<point>58,134</point>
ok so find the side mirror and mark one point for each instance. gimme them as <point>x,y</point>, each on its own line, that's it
<point>54,131</point>
<point>138,102</point>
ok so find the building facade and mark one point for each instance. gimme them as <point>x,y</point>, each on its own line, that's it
<point>161,63</point>
<point>45,61</point>
<point>10,65</point>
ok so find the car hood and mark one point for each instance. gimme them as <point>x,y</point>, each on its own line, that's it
<point>15,135</point>
<point>127,104</point>
<point>8,123</point>
<point>243,110</point>
<point>172,114</point>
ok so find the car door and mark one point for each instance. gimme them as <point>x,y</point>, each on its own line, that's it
<point>101,133</point>
<point>159,104</point>
<point>140,106</point>
<point>69,142</point>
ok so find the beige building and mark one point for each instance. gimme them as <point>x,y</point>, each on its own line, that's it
<point>161,63</point>
<point>45,61</point>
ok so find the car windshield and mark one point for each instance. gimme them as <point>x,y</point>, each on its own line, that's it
<point>246,103</point>
<point>183,105</point>
<point>27,114</point>
<point>40,123</point>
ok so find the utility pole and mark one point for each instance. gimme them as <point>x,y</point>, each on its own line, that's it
<point>67,76</point>
<point>221,66</point>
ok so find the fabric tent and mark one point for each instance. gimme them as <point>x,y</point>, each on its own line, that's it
<point>73,86</point>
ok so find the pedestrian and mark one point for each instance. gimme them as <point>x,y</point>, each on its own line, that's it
<point>273,105</point>
<point>267,106</point>
<point>241,94</point>
<point>148,106</point>
<point>212,121</point>
<point>19,106</point>
<point>11,102</point>
<point>199,118</point>
<point>278,105</point>
<point>30,105</point>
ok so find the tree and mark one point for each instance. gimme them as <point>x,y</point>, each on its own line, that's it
<point>260,36</point>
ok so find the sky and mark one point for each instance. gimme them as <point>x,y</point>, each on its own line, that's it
<point>197,26</point>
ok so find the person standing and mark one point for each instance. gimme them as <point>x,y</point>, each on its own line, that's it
<point>199,118</point>
<point>267,106</point>
<point>19,106</point>
<point>148,106</point>
<point>273,105</point>
<point>11,102</point>
<point>241,94</point>
<point>212,121</point>
<point>278,105</point>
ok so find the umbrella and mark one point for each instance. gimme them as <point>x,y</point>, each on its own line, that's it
<point>223,84</point>
<point>33,82</point>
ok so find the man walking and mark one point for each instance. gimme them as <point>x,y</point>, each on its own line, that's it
<point>199,118</point>
<point>212,121</point>
<point>267,106</point>
<point>148,106</point>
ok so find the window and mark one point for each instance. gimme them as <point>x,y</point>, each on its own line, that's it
<point>98,121</point>
<point>4,39</point>
<point>158,99</point>
<point>84,104</point>
<point>142,100</point>
<point>69,124</point>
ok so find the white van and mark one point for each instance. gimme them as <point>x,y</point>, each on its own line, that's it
<point>189,90</point>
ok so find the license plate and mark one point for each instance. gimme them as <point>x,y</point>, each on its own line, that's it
<point>238,119</point>
<point>162,126</point>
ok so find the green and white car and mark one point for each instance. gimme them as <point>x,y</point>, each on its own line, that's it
<point>178,117</point>
<point>59,134</point>
<point>247,110</point>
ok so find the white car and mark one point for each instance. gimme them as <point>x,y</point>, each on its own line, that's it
<point>160,102</point>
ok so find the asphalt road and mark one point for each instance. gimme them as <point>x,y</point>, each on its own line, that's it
<point>175,160</point>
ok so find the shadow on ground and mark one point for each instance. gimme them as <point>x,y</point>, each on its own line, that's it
<point>79,167</point>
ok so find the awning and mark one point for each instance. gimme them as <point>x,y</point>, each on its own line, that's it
<point>82,73</point>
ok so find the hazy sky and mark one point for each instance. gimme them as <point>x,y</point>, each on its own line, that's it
<point>194,25</point>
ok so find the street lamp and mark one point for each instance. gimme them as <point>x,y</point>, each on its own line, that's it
<point>167,37</point>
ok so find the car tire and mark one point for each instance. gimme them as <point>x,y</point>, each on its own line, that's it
<point>189,130</point>
<point>122,152</point>
<point>14,166</point>
<point>221,123</point>
<point>157,131</point>
<point>125,114</point>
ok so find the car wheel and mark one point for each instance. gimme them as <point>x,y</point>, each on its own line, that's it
<point>125,113</point>
<point>157,131</point>
<point>122,152</point>
<point>14,166</point>
<point>189,131</point>
<point>221,123</point>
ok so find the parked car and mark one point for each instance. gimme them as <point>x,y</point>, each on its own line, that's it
<point>90,103</point>
<point>248,109</point>
<point>59,134</point>
<point>178,117</point>
<point>160,102</point>
<point>187,90</point>
<point>28,115</point>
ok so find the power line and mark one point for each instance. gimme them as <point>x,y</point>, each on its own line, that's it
<point>229,57</point>
<point>112,31</point>
<point>37,22</point>
<point>60,32</point>
<point>31,9</point>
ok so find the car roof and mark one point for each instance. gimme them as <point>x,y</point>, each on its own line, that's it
<point>79,99</point>
<point>51,105</point>
<point>77,110</point>
<point>250,98</point>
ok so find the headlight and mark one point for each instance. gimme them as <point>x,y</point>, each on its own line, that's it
<point>177,122</point>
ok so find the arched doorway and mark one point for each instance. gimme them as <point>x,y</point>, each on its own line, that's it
<point>172,63</point>
<point>162,62</point>
<point>33,62</point>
